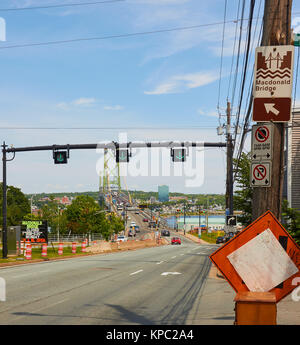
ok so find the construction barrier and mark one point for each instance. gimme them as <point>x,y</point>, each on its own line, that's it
<point>28,251</point>
<point>73,248</point>
<point>60,249</point>
<point>83,247</point>
<point>44,250</point>
<point>22,248</point>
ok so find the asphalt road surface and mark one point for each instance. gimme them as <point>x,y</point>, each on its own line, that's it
<point>152,286</point>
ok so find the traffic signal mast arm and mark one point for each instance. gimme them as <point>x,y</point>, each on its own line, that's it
<point>112,145</point>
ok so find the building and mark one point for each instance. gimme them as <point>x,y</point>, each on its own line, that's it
<point>291,188</point>
<point>163,193</point>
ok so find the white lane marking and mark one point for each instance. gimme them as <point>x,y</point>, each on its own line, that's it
<point>158,263</point>
<point>173,257</point>
<point>172,273</point>
<point>181,254</point>
<point>131,274</point>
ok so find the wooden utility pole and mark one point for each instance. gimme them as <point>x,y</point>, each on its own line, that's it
<point>229,174</point>
<point>276,31</point>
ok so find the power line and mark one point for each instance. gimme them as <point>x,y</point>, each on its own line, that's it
<point>252,5</point>
<point>107,128</point>
<point>221,63</point>
<point>24,45</point>
<point>59,5</point>
<point>110,36</point>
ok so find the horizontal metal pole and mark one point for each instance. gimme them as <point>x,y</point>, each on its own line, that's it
<point>114,145</point>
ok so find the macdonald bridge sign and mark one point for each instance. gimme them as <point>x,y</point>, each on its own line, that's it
<point>273,83</point>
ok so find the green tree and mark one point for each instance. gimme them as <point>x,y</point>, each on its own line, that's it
<point>84,216</point>
<point>291,220</point>
<point>244,192</point>
<point>17,205</point>
<point>52,212</point>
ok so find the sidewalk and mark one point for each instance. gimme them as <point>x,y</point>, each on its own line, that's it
<point>216,304</point>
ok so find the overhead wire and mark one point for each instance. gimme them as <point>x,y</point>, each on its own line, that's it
<point>233,51</point>
<point>243,79</point>
<point>14,9</point>
<point>221,60</point>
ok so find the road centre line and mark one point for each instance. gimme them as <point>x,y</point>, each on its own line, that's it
<point>131,274</point>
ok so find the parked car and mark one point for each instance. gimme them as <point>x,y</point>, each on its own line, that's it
<point>121,239</point>
<point>145,220</point>
<point>176,240</point>
<point>165,233</point>
<point>137,228</point>
<point>220,239</point>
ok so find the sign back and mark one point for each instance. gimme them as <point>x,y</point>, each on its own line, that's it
<point>264,238</point>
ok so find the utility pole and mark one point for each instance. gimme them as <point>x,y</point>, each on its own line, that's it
<point>276,32</point>
<point>229,174</point>
<point>4,204</point>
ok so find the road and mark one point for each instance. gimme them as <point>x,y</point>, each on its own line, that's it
<point>152,286</point>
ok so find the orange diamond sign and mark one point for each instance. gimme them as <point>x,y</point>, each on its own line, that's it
<point>261,258</point>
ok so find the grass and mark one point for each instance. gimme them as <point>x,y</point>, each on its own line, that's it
<point>209,237</point>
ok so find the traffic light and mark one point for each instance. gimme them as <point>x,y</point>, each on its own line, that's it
<point>122,156</point>
<point>178,155</point>
<point>60,157</point>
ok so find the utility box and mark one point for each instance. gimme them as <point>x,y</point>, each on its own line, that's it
<point>255,308</point>
<point>13,240</point>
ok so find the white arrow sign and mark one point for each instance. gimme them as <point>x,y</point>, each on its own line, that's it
<point>270,107</point>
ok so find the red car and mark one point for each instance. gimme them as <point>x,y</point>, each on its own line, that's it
<point>145,220</point>
<point>176,240</point>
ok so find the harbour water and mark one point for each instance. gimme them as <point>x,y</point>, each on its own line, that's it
<point>214,222</point>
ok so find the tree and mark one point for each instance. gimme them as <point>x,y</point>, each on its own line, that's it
<point>291,220</point>
<point>243,195</point>
<point>85,215</point>
<point>17,205</point>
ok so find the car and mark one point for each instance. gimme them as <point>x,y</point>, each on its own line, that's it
<point>228,237</point>
<point>165,233</point>
<point>145,220</point>
<point>176,240</point>
<point>220,239</point>
<point>131,233</point>
<point>137,228</point>
<point>121,239</point>
<point>132,224</point>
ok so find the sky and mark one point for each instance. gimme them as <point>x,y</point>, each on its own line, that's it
<point>138,81</point>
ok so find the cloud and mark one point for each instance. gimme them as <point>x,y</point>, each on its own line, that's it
<point>84,101</point>
<point>79,102</point>
<point>114,107</point>
<point>183,82</point>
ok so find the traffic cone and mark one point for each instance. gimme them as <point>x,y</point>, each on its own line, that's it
<point>60,249</point>
<point>83,247</point>
<point>73,248</point>
<point>28,251</point>
<point>44,250</point>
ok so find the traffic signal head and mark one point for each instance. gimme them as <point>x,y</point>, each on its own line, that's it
<point>60,157</point>
<point>178,155</point>
<point>122,156</point>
